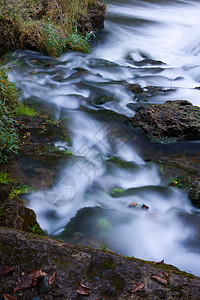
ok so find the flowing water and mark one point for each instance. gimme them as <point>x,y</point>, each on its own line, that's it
<point>90,93</point>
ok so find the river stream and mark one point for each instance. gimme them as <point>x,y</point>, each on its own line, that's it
<point>90,94</point>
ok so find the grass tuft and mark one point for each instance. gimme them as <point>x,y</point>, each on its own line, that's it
<point>22,109</point>
<point>46,26</point>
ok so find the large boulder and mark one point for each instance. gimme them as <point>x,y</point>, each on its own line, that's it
<point>173,120</point>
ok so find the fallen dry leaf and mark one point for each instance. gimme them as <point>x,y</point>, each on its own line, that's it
<point>4,270</point>
<point>159,279</point>
<point>35,275</point>
<point>159,262</point>
<point>83,290</point>
<point>26,283</point>
<point>29,280</point>
<point>138,287</point>
<point>132,204</point>
<point>166,274</point>
<point>52,278</point>
<point>9,297</point>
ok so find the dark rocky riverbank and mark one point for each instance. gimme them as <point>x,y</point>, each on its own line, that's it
<point>81,272</point>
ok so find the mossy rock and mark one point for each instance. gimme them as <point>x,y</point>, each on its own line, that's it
<point>13,213</point>
<point>88,224</point>
<point>120,192</point>
<point>181,171</point>
<point>118,162</point>
<point>171,121</point>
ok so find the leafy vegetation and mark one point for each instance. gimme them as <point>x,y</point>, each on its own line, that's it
<point>4,178</point>
<point>9,138</point>
<point>35,229</point>
<point>46,26</point>
<point>9,107</point>
<point>22,109</point>
<point>17,188</point>
<point>180,182</point>
<point>103,245</point>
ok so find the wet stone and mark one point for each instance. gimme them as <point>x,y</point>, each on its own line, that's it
<point>178,120</point>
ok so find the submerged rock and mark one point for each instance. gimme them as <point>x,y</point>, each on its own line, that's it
<point>148,61</point>
<point>179,120</point>
<point>106,275</point>
<point>142,94</point>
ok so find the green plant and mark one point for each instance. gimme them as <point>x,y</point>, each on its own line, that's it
<point>4,178</point>
<point>24,189</point>
<point>180,182</point>
<point>78,42</point>
<point>102,245</point>
<point>35,229</point>
<point>52,41</point>
<point>22,109</point>
<point>173,181</point>
<point>9,138</point>
<point>14,192</point>
<point>8,93</point>
<point>161,168</point>
<point>17,188</point>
